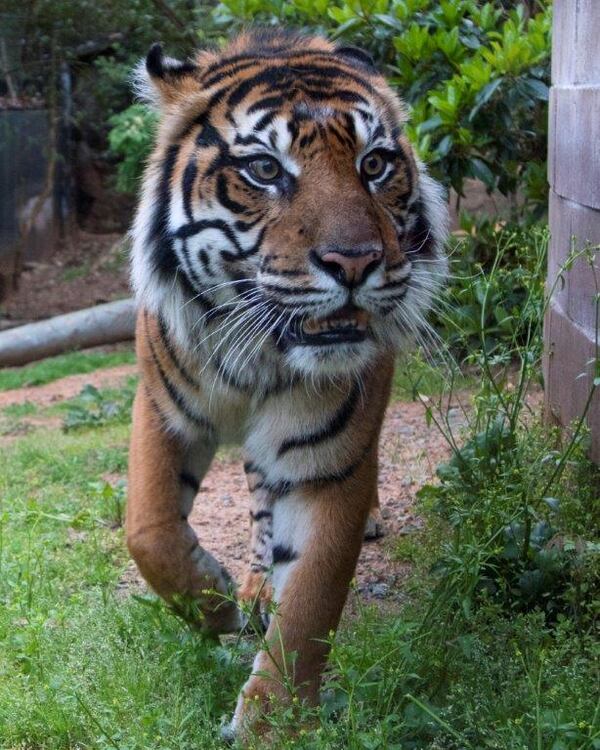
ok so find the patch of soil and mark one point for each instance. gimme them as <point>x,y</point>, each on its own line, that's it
<point>65,388</point>
<point>91,271</point>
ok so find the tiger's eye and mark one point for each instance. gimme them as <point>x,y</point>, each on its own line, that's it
<point>265,169</point>
<point>373,165</point>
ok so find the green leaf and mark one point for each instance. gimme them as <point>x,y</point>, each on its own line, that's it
<point>536,88</point>
<point>553,503</point>
<point>481,171</point>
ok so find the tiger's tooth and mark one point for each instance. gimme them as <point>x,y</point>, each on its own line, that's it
<point>362,319</point>
<point>311,326</point>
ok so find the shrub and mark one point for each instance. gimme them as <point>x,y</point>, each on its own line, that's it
<point>515,511</point>
<point>130,138</point>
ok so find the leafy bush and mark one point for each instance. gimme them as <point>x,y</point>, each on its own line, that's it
<point>495,294</point>
<point>515,511</point>
<point>130,138</point>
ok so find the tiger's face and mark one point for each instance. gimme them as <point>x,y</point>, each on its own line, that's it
<point>284,200</point>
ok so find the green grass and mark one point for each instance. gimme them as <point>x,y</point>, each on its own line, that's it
<point>53,368</point>
<point>17,411</point>
<point>80,665</point>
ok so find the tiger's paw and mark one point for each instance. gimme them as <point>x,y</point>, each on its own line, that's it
<point>255,588</point>
<point>252,706</point>
<point>375,527</point>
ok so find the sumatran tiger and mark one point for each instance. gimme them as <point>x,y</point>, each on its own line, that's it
<point>287,245</point>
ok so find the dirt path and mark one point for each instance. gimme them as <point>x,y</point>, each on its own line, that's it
<point>409,455</point>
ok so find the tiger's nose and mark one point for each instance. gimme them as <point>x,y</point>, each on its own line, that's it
<point>351,267</point>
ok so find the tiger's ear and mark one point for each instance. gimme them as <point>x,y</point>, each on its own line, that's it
<point>356,54</point>
<point>160,79</point>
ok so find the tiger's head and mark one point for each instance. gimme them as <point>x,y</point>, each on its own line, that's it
<point>284,204</point>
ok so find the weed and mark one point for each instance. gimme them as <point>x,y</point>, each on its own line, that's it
<point>94,407</point>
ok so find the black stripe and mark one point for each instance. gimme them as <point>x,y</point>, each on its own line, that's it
<point>307,139</point>
<point>195,227</point>
<point>204,259</point>
<point>332,428</point>
<point>290,290</point>
<point>269,101</point>
<point>230,70</point>
<point>342,95</point>
<point>248,140</point>
<point>283,554</point>
<point>175,395</point>
<point>168,345</point>
<point>195,284</point>
<point>379,132</point>
<point>209,135</point>
<point>395,284</point>
<point>278,77</point>
<point>189,480</point>
<point>156,408</point>
<point>286,55</point>
<point>187,186</point>
<point>223,196</point>
<point>420,239</point>
<point>246,226</point>
<point>260,514</point>
<point>350,127</point>
<point>226,255</point>
<point>264,121</point>
<point>344,140</point>
<point>163,256</point>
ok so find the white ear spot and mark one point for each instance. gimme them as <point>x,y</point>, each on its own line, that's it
<point>152,76</point>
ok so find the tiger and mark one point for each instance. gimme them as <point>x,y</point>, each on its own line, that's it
<point>287,245</point>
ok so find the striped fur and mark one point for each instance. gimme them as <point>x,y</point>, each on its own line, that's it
<point>287,244</point>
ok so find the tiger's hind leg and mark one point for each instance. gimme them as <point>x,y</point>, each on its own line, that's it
<point>164,475</point>
<point>256,589</point>
<point>317,538</point>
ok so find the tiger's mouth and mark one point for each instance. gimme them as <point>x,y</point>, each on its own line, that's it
<point>349,324</point>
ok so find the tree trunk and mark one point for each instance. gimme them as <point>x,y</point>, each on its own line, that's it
<point>94,326</point>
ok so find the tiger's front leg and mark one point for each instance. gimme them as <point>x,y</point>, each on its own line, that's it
<point>317,536</point>
<point>164,474</point>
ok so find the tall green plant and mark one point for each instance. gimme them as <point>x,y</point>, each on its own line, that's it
<point>513,532</point>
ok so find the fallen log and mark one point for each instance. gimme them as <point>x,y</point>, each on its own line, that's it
<point>93,326</point>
